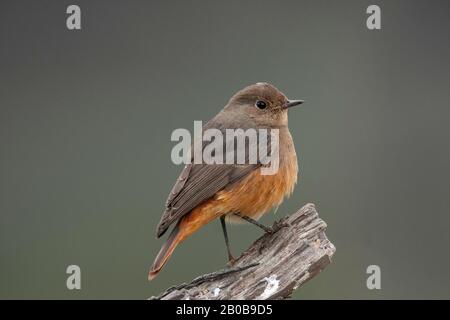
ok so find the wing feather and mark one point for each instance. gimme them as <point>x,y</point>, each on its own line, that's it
<point>198,183</point>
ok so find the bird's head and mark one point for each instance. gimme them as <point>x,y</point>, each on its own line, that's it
<point>262,103</point>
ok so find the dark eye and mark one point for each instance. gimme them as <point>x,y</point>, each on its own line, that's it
<point>261,104</point>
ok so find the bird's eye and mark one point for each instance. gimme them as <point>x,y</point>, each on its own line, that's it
<point>261,104</point>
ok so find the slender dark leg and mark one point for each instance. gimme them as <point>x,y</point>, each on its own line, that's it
<point>256,223</point>
<point>227,242</point>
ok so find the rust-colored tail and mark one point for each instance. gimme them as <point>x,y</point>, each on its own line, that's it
<point>165,252</point>
<point>186,226</point>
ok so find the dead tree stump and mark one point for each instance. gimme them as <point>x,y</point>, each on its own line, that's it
<point>272,268</point>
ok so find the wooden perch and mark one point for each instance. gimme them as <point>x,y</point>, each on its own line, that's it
<point>272,268</point>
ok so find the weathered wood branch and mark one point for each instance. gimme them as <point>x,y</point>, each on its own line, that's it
<point>272,268</point>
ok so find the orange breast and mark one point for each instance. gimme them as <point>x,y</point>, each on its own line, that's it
<point>253,196</point>
<point>257,194</point>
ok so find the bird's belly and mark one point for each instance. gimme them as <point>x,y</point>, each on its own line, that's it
<point>253,196</point>
<point>257,194</point>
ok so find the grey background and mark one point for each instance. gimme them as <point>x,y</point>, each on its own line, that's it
<point>86,118</point>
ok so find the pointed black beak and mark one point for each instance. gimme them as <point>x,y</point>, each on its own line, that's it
<point>292,103</point>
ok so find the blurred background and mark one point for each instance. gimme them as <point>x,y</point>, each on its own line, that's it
<point>86,118</point>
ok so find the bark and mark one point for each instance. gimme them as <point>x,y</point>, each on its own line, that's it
<point>272,268</point>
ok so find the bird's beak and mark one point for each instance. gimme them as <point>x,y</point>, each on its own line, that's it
<point>292,103</point>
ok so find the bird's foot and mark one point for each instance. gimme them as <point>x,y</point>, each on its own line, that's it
<point>268,230</point>
<point>231,260</point>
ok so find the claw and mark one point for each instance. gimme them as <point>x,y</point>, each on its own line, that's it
<point>269,230</point>
<point>231,261</point>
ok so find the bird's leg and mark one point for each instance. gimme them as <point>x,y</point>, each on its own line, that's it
<point>231,259</point>
<point>256,223</point>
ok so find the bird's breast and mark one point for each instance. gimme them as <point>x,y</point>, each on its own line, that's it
<point>257,193</point>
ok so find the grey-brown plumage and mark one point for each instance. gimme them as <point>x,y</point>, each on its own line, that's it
<point>204,192</point>
<point>199,182</point>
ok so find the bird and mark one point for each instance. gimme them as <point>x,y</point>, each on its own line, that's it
<point>232,193</point>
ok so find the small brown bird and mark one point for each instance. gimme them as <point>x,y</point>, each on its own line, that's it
<point>232,192</point>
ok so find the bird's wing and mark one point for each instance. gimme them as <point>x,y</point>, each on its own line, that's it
<point>197,183</point>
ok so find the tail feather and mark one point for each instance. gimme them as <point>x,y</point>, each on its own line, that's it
<point>165,252</point>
